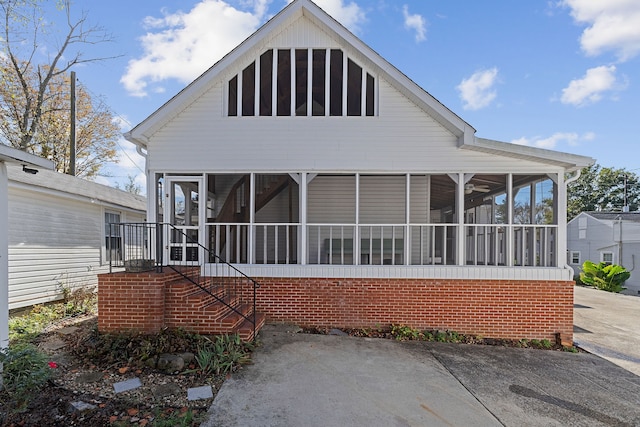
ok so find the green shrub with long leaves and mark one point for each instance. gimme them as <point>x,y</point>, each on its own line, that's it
<point>607,277</point>
<point>25,371</point>
<point>222,354</point>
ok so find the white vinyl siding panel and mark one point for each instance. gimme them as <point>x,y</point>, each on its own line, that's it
<point>302,35</point>
<point>403,138</point>
<point>53,242</point>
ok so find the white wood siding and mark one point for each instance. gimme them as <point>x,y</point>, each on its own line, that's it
<point>53,242</point>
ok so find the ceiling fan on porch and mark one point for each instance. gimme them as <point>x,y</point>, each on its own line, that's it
<point>470,188</point>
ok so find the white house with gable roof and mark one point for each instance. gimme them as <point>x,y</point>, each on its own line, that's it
<point>303,154</point>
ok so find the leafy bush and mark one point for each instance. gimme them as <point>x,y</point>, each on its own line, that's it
<point>607,277</point>
<point>25,371</point>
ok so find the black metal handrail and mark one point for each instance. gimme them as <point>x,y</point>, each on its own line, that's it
<point>141,247</point>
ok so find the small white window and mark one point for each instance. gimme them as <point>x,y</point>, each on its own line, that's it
<point>575,258</point>
<point>606,257</point>
<point>113,237</point>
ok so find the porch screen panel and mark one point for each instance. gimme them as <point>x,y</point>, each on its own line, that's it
<point>354,89</point>
<point>266,83</point>
<point>284,82</point>
<point>232,107</point>
<point>302,59</point>
<point>318,82</point>
<point>382,199</point>
<point>370,101</point>
<point>276,219</point>
<point>332,199</point>
<point>249,90</point>
<point>335,83</point>
<point>228,216</point>
<point>331,214</point>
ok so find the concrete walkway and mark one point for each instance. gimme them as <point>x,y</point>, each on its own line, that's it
<point>608,325</point>
<point>316,380</point>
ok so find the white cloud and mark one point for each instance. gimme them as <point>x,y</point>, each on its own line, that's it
<point>569,138</point>
<point>416,23</point>
<point>348,14</point>
<point>613,25</point>
<point>478,90</point>
<point>183,45</point>
<point>591,87</point>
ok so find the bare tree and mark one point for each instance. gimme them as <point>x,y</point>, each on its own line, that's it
<point>24,31</point>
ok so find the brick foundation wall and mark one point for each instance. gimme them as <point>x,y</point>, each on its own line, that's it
<point>495,309</point>
<point>490,308</point>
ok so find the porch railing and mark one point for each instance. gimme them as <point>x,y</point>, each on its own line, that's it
<point>526,245</point>
<point>142,246</point>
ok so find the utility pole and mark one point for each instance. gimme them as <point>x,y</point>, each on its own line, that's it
<point>72,131</point>
<point>625,208</point>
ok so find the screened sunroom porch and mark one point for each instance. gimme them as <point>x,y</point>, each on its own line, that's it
<point>363,219</point>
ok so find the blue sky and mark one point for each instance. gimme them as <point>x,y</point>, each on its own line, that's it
<point>557,74</point>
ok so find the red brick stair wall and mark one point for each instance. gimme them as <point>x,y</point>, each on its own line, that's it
<point>147,302</point>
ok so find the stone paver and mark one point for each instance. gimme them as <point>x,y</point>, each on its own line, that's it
<point>198,393</point>
<point>127,385</point>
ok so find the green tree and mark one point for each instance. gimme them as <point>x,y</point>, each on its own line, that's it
<point>131,186</point>
<point>34,89</point>
<point>603,189</point>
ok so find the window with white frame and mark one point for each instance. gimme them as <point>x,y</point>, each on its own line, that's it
<point>575,258</point>
<point>606,257</point>
<point>113,237</point>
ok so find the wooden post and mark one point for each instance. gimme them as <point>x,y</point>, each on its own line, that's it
<point>72,131</point>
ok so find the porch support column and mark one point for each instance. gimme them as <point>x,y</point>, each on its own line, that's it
<point>302,248</point>
<point>252,219</point>
<point>357,258</point>
<point>407,220</point>
<point>561,214</point>
<point>460,249</point>
<point>509,249</point>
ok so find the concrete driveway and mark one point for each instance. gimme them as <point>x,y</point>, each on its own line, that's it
<point>608,325</point>
<point>315,380</point>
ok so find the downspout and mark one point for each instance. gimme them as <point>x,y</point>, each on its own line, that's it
<point>568,181</point>
<point>151,186</point>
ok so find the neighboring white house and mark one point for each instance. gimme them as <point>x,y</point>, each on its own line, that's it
<point>10,156</point>
<point>303,154</point>
<point>58,233</point>
<point>611,237</point>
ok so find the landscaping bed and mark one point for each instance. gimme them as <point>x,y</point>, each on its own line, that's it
<point>84,368</point>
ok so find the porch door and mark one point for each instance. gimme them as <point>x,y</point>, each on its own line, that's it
<point>183,212</point>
